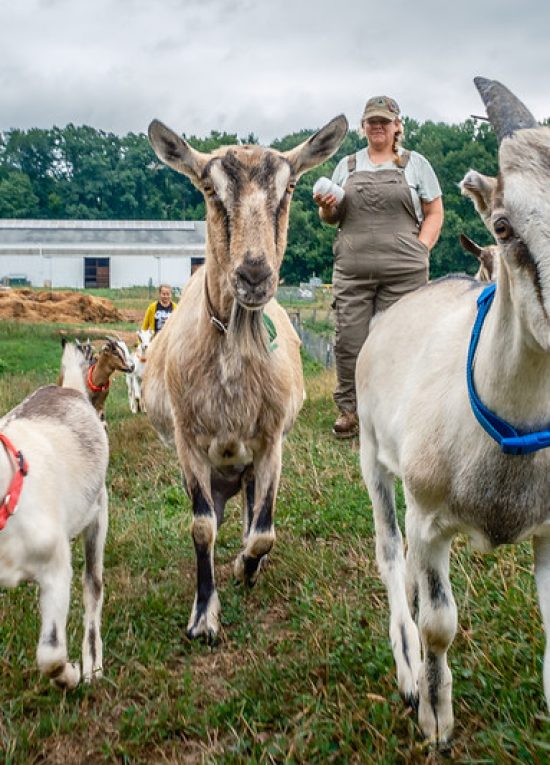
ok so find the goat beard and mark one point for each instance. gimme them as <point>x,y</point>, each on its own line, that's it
<point>246,333</point>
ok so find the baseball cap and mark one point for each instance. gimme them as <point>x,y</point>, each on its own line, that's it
<point>381,106</point>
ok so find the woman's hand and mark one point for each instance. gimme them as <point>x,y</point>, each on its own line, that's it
<point>433,220</point>
<point>328,207</point>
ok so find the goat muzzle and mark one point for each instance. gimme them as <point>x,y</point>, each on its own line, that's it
<point>254,283</point>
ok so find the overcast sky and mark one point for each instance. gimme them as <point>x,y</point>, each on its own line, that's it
<point>268,67</point>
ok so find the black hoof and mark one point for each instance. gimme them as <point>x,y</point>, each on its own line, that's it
<point>411,701</point>
<point>251,570</point>
<point>211,638</point>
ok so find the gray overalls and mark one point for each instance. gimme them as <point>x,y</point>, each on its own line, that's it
<point>377,259</point>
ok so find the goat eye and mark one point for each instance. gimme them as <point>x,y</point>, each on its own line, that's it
<point>502,228</point>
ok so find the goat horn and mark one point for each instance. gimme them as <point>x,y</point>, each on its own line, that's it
<point>505,111</point>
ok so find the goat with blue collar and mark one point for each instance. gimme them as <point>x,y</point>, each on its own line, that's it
<point>454,398</point>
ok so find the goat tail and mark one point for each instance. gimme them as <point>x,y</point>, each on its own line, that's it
<point>73,368</point>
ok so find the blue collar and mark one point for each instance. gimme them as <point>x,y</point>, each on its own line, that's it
<point>510,440</point>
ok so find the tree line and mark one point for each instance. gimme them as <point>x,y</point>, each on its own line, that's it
<point>80,172</point>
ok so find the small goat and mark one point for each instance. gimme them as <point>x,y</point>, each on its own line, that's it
<point>113,357</point>
<point>486,256</point>
<point>417,422</point>
<point>52,471</point>
<point>224,377</point>
<point>134,379</point>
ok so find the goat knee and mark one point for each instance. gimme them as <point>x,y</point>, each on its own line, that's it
<point>438,628</point>
<point>203,531</point>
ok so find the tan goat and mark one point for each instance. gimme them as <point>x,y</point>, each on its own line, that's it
<point>224,377</point>
<point>486,257</point>
<point>480,188</point>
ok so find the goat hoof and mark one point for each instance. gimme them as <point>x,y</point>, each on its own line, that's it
<point>204,621</point>
<point>90,677</point>
<point>247,569</point>
<point>68,678</point>
<point>210,636</point>
<point>410,700</point>
<point>445,748</point>
<point>212,639</point>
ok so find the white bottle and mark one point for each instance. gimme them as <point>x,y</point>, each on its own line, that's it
<point>324,185</point>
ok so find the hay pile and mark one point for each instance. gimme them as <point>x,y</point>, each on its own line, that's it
<point>66,307</point>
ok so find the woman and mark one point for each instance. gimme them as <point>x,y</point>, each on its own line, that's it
<point>389,220</point>
<point>159,311</point>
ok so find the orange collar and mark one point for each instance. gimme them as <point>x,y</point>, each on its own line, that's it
<point>9,503</point>
<point>96,388</point>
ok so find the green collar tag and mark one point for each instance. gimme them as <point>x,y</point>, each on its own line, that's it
<point>271,332</point>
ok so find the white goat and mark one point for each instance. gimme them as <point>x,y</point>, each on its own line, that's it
<point>224,377</point>
<point>134,379</point>
<point>416,420</point>
<point>55,454</point>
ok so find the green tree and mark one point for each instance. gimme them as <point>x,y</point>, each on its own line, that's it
<point>17,199</point>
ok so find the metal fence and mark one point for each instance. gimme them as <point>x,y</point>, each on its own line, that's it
<point>319,347</point>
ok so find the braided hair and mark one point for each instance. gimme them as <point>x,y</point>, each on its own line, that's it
<point>397,141</point>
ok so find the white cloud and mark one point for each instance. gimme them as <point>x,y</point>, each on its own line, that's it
<point>256,66</point>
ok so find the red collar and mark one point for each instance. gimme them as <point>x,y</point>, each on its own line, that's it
<point>96,388</point>
<point>9,503</point>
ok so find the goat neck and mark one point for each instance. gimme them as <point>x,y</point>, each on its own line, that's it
<point>102,371</point>
<point>217,302</point>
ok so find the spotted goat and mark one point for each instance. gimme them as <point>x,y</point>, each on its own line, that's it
<point>417,422</point>
<point>113,357</point>
<point>224,378</point>
<point>53,463</point>
<point>135,378</point>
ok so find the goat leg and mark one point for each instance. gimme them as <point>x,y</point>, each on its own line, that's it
<point>259,502</point>
<point>94,543</point>
<point>204,620</point>
<point>55,591</point>
<point>541,546</point>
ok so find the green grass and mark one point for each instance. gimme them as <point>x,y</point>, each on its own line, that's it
<point>303,672</point>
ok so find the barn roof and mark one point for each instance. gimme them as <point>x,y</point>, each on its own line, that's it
<point>102,237</point>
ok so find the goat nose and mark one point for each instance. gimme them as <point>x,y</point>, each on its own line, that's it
<point>253,272</point>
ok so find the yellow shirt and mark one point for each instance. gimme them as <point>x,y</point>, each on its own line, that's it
<point>156,315</point>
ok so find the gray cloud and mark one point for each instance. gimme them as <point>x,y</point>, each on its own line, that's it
<point>262,67</point>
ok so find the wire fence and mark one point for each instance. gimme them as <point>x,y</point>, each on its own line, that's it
<point>319,347</point>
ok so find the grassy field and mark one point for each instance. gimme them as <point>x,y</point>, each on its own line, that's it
<point>303,672</point>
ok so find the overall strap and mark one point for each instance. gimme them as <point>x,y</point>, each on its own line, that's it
<point>352,163</point>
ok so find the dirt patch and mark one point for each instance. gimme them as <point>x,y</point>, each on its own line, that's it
<point>66,307</point>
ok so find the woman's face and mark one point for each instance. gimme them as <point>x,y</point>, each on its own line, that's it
<point>380,132</point>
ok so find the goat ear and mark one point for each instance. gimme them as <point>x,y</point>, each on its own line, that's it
<point>470,246</point>
<point>318,147</point>
<point>480,189</point>
<point>171,149</point>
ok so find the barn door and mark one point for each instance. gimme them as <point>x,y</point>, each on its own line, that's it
<point>96,272</point>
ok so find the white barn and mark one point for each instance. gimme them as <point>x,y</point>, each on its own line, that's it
<point>99,253</point>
